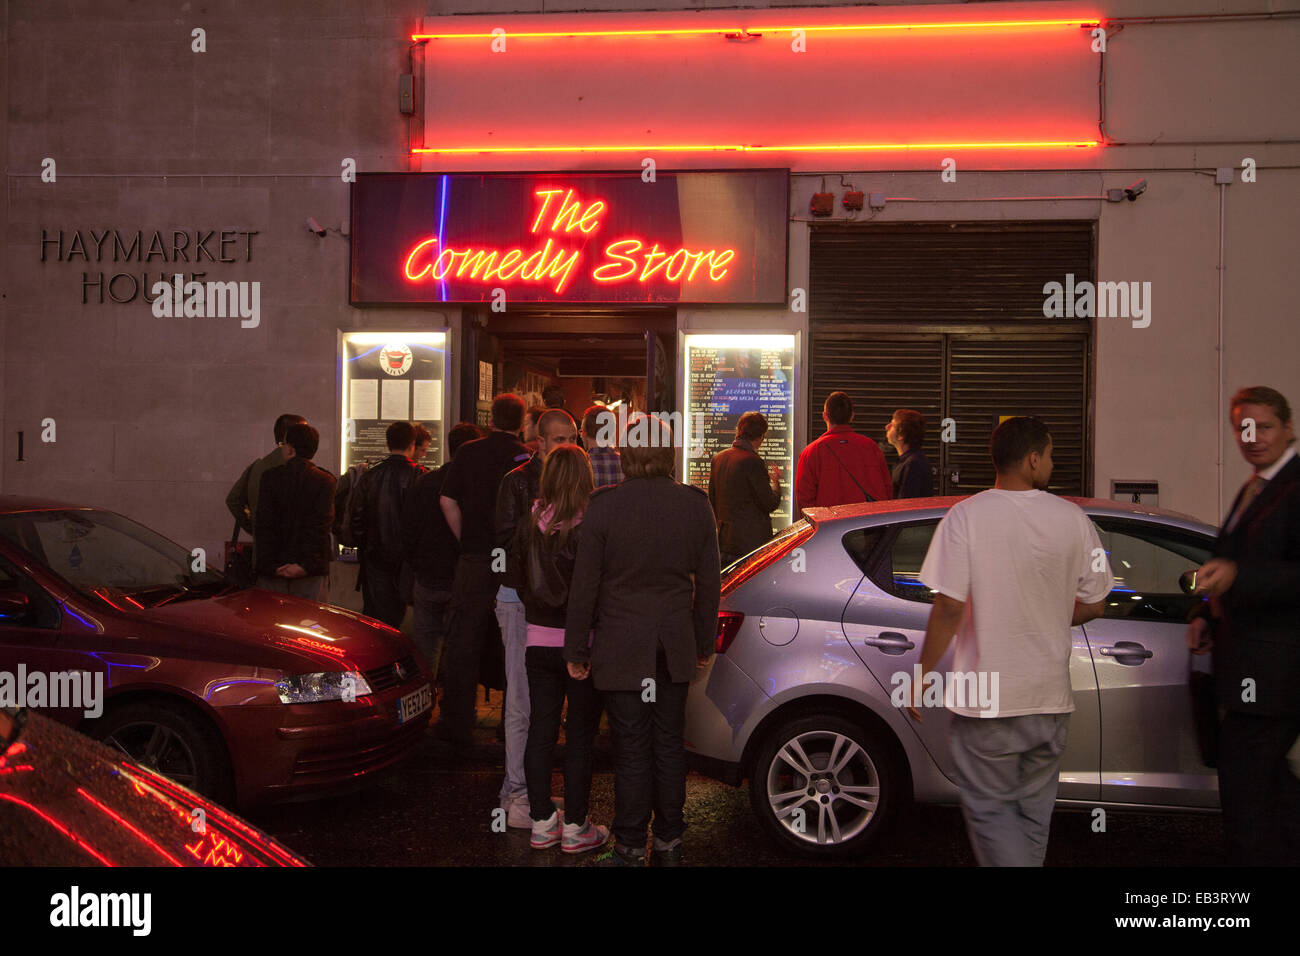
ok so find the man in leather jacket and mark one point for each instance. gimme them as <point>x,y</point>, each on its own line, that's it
<point>376,521</point>
<point>515,497</point>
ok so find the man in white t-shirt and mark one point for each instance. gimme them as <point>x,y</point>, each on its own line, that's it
<point>1014,568</point>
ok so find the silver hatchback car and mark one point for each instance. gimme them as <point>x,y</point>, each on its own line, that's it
<point>814,625</point>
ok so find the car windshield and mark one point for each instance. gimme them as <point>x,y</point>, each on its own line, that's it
<point>104,555</point>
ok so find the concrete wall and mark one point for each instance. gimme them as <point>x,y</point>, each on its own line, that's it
<point>156,417</point>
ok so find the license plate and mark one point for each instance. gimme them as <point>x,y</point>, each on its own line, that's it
<point>414,704</point>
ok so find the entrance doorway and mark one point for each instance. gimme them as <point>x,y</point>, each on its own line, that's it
<point>591,357</point>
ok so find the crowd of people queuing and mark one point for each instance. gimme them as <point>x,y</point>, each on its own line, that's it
<point>595,569</point>
<point>600,575</point>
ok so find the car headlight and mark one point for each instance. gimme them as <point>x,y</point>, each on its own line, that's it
<point>330,685</point>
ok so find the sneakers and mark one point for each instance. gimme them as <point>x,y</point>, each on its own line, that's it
<point>546,833</point>
<point>581,837</point>
<point>619,855</point>
<point>518,814</point>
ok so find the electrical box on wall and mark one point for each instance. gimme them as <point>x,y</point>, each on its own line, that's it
<point>823,204</point>
<point>1136,492</point>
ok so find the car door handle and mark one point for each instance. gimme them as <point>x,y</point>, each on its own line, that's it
<point>1126,652</point>
<point>891,642</point>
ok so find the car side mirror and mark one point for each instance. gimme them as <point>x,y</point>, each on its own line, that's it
<point>1187,581</point>
<point>14,604</point>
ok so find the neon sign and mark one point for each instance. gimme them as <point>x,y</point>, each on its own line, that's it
<point>583,237</point>
<point>558,263</point>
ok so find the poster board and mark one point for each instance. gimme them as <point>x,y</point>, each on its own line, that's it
<point>387,377</point>
<point>724,375</point>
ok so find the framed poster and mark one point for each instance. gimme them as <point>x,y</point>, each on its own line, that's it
<point>387,377</point>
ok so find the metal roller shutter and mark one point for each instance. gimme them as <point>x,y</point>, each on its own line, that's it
<point>880,373</point>
<point>947,318</point>
<point>991,376</point>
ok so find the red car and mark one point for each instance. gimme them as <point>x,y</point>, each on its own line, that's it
<point>243,695</point>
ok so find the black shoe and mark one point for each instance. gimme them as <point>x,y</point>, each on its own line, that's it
<point>667,854</point>
<point>619,855</point>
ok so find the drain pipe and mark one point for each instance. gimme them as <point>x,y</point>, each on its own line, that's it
<point>1222,177</point>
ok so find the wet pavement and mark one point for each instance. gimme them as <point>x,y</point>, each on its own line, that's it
<point>427,813</point>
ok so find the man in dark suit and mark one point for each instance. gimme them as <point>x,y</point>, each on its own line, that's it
<point>295,505</point>
<point>741,491</point>
<point>647,581</point>
<point>1253,582</point>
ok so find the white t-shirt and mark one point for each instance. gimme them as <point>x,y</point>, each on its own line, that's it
<point>1022,558</point>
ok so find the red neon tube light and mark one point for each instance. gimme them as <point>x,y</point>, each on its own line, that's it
<point>973,25</point>
<point>747,148</point>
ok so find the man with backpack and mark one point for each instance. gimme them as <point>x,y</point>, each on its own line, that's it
<point>842,466</point>
<point>375,518</point>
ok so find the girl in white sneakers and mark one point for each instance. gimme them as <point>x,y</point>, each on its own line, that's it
<point>546,546</point>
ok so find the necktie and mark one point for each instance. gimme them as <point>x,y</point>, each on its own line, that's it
<point>1253,488</point>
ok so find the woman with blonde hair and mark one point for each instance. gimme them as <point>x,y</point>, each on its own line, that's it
<point>546,547</point>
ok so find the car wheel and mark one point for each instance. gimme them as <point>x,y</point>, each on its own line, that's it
<point>169,742</point>
<point>824,787</point>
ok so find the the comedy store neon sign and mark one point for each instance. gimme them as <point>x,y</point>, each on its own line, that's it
<point>555,262</point>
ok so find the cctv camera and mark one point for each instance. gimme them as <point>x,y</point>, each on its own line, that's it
<point>1137,189</point>
<point>317,228</point>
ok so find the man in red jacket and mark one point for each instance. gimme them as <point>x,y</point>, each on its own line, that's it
<point>842,466</point>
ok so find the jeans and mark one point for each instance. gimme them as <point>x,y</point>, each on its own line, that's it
<point>1259,794</point>
<point>469,621</point>
<point>312,588</point>
<point>649,760</point>
<point>549,684</point>
<point>514,632</point>
<point>1007,769</point>
<point>382,593</point>
<point>430,624</point>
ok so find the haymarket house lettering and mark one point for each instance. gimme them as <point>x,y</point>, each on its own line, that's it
<point>169,247</point>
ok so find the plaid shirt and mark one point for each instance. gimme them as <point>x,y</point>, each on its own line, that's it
<point>605,465</point>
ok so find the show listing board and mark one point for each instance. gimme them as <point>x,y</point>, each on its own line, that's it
<point>390,377</point>
<point>724,377</point>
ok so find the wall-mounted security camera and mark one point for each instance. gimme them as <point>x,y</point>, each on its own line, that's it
<point>1137,189</point>
<point>315,227</point>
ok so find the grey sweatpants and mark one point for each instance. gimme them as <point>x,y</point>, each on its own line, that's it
<point>1007,769</point>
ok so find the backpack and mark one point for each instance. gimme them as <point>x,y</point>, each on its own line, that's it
<point>347,487</point>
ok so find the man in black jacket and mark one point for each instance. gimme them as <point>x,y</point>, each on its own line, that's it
<point>742,492</point>
<point>431,550</point>
<point>242,498</point>
<point>295,504</point>
<point>515,497</point>
<point>468,501</point>
<point>647,581</point>
<point>913,476</point>
<point>376,521</point>
<point>1254,586</point>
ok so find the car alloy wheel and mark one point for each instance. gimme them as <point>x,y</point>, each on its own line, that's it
<point>822,786</point>
<point>157,748</point>
<point>172,742</point>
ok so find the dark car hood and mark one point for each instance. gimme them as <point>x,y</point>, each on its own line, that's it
<point>267,629</point>
<point>66,800</point>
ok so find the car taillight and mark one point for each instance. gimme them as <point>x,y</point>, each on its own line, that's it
<point>728,625</point>
<point>769,554</point>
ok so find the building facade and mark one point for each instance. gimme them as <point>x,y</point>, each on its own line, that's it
<point>974,210</point>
